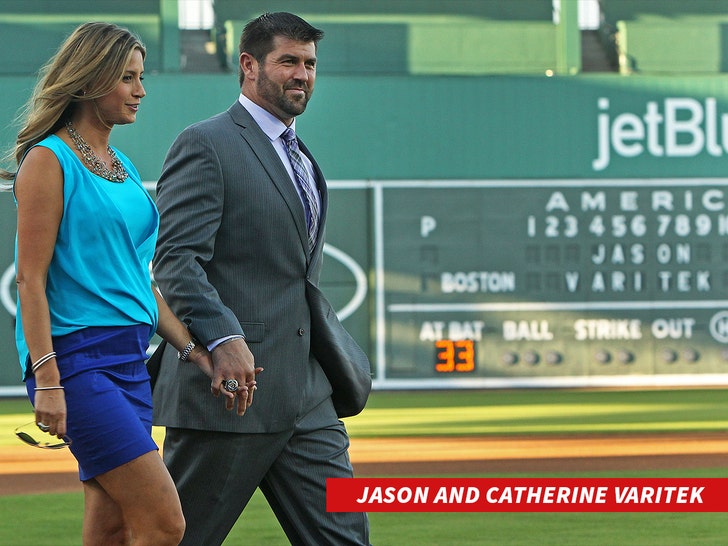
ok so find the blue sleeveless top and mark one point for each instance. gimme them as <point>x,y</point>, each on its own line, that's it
<point>99,273</point>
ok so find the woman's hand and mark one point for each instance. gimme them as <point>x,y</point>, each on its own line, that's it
<point>50,411</point>
<point>201,357</point>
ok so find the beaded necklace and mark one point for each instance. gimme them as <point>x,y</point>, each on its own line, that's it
<point>117,173</point>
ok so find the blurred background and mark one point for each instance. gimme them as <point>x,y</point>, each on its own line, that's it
<point>524,193</point>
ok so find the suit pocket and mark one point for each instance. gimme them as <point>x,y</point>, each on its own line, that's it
<point>254,331</point>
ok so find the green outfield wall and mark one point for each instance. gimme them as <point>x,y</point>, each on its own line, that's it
<point>498,216</point>
<point>491,231</point>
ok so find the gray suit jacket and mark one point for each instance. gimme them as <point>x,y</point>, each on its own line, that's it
<point>232,258</point>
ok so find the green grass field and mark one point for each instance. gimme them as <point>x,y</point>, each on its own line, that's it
<point>39,520</point>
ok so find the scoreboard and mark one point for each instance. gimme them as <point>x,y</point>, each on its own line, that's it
<point>576,282</point>
<point>516,283</point>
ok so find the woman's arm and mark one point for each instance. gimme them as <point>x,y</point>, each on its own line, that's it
<point>176,334</point>
<point>39,193</point>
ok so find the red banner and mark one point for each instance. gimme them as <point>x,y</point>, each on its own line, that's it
<point>527,495</point>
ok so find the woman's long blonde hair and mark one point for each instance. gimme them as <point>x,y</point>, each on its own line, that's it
<point>88,65</point>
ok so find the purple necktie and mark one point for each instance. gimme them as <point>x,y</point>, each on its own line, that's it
<point>305,182</point>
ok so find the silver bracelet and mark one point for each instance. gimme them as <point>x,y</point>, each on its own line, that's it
<point>42,360</point>
<point>56,388</point>
<point>185,354</point>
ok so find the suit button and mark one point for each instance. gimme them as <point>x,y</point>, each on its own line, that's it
<point>301,331</point>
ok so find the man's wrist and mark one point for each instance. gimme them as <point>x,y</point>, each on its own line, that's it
<point>223,340</point>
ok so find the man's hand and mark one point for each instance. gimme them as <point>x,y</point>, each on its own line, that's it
<point>233,360</point>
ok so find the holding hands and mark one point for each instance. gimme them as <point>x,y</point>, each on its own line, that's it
<point>234,374</point>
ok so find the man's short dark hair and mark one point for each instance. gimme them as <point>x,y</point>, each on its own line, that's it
<point>258,34</point>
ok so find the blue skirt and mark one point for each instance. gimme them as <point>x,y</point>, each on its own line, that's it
<point>108,395</point>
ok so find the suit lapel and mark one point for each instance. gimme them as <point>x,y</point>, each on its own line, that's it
<point>266,154</point>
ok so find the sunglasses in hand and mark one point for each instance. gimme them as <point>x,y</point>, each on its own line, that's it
<point>30,434</point>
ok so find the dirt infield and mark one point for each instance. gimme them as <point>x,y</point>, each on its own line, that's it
<point>27,470</point>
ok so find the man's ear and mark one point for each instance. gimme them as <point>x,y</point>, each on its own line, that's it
<point>249,66</point>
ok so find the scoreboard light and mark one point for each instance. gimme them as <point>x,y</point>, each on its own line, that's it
<point>455,356</point>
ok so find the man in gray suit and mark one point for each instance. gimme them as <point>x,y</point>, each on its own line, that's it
<point>240,235</point>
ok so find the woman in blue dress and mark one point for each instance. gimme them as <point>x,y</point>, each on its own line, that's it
<point>87,308</point>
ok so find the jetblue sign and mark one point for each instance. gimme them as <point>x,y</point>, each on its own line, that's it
<point>676,127</point>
